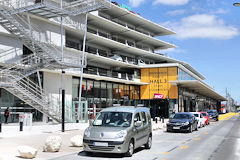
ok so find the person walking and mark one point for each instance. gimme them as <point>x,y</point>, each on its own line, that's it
<point>6,114</point>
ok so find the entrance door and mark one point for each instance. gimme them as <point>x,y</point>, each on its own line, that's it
<point>81,111</point>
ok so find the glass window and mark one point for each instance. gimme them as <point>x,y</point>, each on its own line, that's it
<point>109,94</point>
<point>90,89</point>
<point>97,89</point>
<point>136,92</point>
<point>137,117</point>
<point>144,118</point>
<point>115,93</point>
<point>103,90</point>
<point>75,88</point>
<point>184,76</point>
<point>113,119</point>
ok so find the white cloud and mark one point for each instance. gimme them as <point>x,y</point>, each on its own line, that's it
<point>220,11</point>
<point>176,12</point>
<point>136,3</point>
<point>171,2</point>
<point>202,26</point>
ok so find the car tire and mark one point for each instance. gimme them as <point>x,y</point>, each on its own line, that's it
<point>196,129</point>
<point>168,130</point>
<point>190,129</point>
<point>217,119</point>
<point>130,151</point>
<point>148,145</point>
<point>88,153</point>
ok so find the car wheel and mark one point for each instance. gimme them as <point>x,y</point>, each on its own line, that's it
<point>217,119</point>
<point>130,151</point>
<point>89,153</point>
<point>208,123</point>
<point>190,129</point>
<point>168,130</point>
<point>148,145</point>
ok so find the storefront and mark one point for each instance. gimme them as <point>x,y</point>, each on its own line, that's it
<point>175,88</point>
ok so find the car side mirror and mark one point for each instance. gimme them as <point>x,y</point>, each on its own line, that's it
<point>138,123</point>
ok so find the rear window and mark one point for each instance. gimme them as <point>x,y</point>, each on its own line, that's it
<point>196,115</point>
<point>181,116</point>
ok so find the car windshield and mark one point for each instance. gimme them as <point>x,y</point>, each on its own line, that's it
<point>204,114</point>
<point>181,116</point>
<point>196,115</point>
<point>113,119</point>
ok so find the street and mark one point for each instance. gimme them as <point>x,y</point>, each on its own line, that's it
<point>218,141</point>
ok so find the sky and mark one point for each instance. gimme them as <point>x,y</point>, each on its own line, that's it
<point>207,36</point>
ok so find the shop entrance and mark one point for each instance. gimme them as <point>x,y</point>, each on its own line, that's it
<point>159,108</point>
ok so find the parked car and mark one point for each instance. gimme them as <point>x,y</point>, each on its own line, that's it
<point>200,118</point>
<point>182,121</point>
<point>119,130</point>
<point>213,114</point>
<point>205,115</point>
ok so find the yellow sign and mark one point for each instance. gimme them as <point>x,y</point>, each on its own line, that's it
<point>158,79</point>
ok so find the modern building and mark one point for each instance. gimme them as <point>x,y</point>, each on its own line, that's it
<point>122,64</point>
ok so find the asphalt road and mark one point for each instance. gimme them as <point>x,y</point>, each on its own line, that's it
<point>218,141</point>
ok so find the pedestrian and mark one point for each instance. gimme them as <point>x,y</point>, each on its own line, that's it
<point>6,114</point>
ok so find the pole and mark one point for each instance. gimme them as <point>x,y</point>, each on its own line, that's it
<point>0,110</point>
<point>63,102</point>
<point>63,76</point>
<point>83,56</point>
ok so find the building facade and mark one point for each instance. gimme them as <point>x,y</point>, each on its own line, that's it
<point>122,65</point>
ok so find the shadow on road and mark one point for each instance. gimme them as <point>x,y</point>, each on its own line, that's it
<point>106,155</point>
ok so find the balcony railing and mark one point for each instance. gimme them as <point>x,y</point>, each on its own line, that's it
<point>107,73</point>
<point>120,40</point>
<point>124,24</point>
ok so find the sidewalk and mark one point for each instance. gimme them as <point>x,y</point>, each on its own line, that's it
<point>35,136</point>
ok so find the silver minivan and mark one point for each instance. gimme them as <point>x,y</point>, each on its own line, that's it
<point>119,130</point>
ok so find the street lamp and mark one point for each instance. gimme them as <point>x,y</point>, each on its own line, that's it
<point>236,4</point>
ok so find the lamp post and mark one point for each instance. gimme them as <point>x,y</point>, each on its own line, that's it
<point>236,4</point>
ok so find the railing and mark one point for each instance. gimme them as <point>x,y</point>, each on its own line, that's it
<point>40,39</point>
<point>69,7</point>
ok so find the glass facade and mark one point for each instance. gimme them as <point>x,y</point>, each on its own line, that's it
<point>17,106</point>
<point>184,76</point>
<point>104,94</point>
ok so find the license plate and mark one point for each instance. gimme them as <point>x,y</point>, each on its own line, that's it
<point>100,144</point>
<point>176,127</point>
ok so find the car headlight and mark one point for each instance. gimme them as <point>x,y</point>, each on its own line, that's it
<point>186,123</point>
<point>87,133</point>
<point>121,134</point>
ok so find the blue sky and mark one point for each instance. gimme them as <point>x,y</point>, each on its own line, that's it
<point>208,36</point>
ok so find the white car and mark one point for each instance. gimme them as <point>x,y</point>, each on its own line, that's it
<point>200,118</point>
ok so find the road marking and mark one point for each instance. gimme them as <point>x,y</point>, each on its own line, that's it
<point>165,152</point>
<point>206,133</point>
<point>197,139</point>
<point>184,147</point>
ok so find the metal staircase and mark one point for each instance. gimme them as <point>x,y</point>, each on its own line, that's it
<point>54,8</point>
<point>14,77</point>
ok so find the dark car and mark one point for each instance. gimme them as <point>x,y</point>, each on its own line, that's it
<point>182,121</point>
<point>213,114</point>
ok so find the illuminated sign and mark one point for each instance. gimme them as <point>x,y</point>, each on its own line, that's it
<point>158,96</point>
